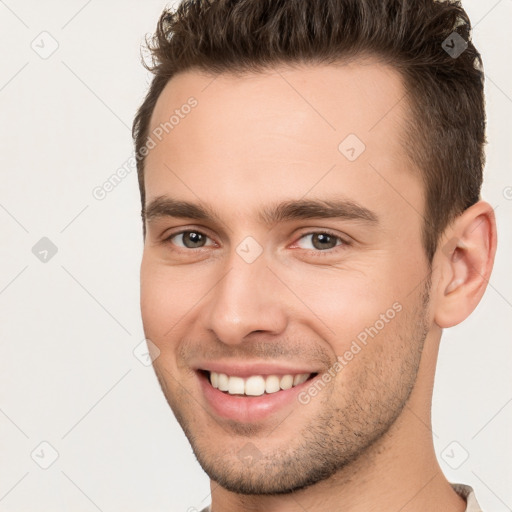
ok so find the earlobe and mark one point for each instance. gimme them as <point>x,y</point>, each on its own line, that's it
<point>466,262</point>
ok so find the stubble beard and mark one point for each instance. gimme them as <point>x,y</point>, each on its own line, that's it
<point>333,439</point>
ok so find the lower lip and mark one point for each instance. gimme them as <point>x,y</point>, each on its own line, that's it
<point>248,409</point>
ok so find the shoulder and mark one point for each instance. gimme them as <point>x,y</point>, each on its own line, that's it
<point>466,492</point>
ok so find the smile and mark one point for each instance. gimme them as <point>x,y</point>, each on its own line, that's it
<point>251,398</point>
<point>256,385</point>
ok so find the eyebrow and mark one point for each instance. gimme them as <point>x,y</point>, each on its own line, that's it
<point>300,209</point>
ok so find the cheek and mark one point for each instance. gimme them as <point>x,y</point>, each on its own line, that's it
<point>384,351</point>
<point>152,298</point>
<point>160,308</point>
<point>169,297</point>
<point>161,312</point>
<point>349,304</point>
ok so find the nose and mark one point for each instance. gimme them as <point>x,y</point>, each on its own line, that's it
<point>244,301</point>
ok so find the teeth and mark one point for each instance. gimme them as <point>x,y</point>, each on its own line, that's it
<point>236,386</point>
<point>299,379</point>
<point>223,381</point>
<point>272,384</point>
<point>256,385</point>
<point>286,381</point>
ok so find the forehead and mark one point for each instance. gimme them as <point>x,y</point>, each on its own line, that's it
<point>333,98</point>
<point>288,129</point>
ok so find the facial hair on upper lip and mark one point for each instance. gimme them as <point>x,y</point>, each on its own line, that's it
<point>272,351</point>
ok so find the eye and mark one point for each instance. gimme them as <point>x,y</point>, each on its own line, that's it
<point>188,239</point>
<point>320,241</point>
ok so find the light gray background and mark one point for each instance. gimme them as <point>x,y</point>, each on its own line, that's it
<point>68,374</point>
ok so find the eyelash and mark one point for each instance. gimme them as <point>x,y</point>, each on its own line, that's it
<point>344,242</point>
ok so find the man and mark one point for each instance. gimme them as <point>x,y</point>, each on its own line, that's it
<point>310,178</point>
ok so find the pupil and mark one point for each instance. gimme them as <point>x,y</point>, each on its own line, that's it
<point>193,239</point>
<point>323,241</point>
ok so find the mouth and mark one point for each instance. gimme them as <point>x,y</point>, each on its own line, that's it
<point>252,398</point>
<point>255,385</point>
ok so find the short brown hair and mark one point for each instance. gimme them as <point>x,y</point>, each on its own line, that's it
<point>446,125</point>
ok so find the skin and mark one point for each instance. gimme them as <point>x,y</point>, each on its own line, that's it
<point>364,442</point>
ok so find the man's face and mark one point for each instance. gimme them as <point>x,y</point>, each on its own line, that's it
<point>300,290</point>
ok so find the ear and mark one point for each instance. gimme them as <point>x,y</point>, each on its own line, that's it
<point>465,257</point>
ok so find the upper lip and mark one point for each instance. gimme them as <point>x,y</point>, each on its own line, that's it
<point>245,369</point>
